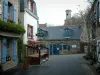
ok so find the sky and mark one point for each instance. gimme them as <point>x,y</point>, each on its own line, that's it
<point>53,11</point>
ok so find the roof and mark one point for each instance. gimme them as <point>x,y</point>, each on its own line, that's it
<point>56,33</point>
<point>43,26</point>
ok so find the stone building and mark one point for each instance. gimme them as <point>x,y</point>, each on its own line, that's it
<point>93,24</point>
<point>10,31</point>
<point>64,38</point>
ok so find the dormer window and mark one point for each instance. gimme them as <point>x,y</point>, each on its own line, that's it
<point>68,33</point>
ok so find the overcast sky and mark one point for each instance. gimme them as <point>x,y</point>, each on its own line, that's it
<point>53,11</point>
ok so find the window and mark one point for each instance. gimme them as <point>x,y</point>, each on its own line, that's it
<point>74,46</point>
<point>10,9</point>
<point>64,47</point>
<point>31,5</point>
<point>30,31</point>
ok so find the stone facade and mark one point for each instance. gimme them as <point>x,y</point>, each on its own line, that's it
<point>1,15</point>
<point>65,42</point>
<point>15,2</point>
<point>93,25</point>
<point>11,63</point>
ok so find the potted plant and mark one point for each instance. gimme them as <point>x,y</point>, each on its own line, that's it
<point>25,60</point>
<point>26,65</point>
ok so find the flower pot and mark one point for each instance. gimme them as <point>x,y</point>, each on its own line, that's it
<point>25,67</point>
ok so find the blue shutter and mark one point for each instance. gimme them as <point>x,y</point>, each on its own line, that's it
<point>4,50</point>
<point>5,10</point>
<point>51,49</point>
<point>60,47</point>
<point>14,15</point>
<point>15,50</point>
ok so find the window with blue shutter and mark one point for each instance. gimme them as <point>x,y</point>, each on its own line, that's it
<point>5,10</point>
<point>14,15</point>
<point>15,50</point>
<point>4,50</point>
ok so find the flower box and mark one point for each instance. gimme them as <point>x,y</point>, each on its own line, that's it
<point>11,27</point>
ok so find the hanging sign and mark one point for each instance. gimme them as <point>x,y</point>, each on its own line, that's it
<point>0,9</point>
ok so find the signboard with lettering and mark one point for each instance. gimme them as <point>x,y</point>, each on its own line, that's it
<point>0,9</point>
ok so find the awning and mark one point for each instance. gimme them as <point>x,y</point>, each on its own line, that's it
<point>9,34</point>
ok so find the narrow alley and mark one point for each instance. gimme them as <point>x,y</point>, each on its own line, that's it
<point>59,65</point>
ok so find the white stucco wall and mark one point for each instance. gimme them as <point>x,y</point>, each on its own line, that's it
<point>28,19</point>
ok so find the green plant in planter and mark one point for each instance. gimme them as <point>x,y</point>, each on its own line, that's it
<point>11,27</point>
<point>20,49</point>
<point>24,55</point>
<point>25,59</point>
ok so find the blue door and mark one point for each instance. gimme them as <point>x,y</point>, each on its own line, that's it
<point>69,47</point>
<point>59,46</point>
<point>55,51</point>
<point>51,48</point>
<point>4,50</point>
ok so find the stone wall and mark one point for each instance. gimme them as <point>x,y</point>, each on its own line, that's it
<point>1,15</point>
<point>71,42</point>
<point>16,2</point>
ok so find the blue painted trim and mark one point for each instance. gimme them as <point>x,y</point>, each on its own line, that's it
<point>5,10</point>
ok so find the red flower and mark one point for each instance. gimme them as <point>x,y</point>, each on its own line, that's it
<point>9,20</point>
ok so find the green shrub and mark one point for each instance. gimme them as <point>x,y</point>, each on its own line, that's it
<point>11,27</point>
